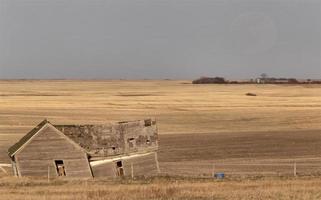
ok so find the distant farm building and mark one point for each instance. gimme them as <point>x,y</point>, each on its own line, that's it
<point>276,81</point>
<point>109,150</point>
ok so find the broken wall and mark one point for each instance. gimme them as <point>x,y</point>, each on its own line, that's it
<point>145,165</point>
<point>114,139</point>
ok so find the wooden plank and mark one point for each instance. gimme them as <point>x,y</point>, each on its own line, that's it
<point>5,165</point>
<point>3,169</point>
<point>50,156</point>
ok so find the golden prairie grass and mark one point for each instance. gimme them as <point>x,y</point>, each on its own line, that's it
<point>179,107</point>
<point>161,189</point>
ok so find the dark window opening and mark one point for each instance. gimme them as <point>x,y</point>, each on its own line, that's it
<point>113,148</point>
<point>119,164</point>
<point>60,167</point>
<point>13,158</point>
<point>131,142</point>
<point>119,169</point>
<point>147,141</point>
<point>148,122</point>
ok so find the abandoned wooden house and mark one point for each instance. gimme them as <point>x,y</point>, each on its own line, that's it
<point>109,150</point>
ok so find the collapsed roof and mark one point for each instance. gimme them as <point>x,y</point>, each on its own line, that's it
<point>106,139</point>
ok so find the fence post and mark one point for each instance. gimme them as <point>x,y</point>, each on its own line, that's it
<point>157,163</point>
<point>213,170</point>
<point>48,173</point>
<point>294,169</point>
<point>132,170</point>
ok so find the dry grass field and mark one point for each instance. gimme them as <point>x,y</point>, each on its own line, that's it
<point>199,126</point>
<point>162,189</point>
<point>179,106</point>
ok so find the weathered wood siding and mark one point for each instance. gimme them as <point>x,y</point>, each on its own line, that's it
<point>47,146</point>
<point>104,170</point>
<point>142,166</point>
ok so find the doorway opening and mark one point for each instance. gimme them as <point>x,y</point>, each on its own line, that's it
<point>60,168</point>
<point>119,169</point>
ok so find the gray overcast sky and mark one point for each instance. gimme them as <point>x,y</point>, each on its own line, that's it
<point>159,39</point>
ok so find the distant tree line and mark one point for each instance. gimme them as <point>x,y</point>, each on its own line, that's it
<point>207,80</point>
<point>263,79</point>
